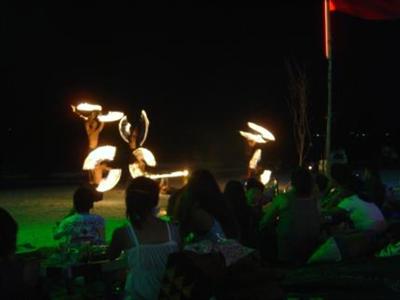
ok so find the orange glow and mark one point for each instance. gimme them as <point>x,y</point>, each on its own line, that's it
<point>327,7</point>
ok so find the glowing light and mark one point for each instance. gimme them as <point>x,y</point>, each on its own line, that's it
<point>257,138</point>
<point>143,154</point>
<point>110,181</point>
<point>265,177</point>
<point>98,155</point>
<point>111,116</point>
<point>265,133</point>
<point>255,159</point>
<point>146,121</point>
<point>87,107</point>
<point>124,128</point>
<point>310,167</point>
<point>135,170</point>
<point>183,173</point>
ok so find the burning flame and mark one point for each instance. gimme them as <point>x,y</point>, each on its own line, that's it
<point>135,170</point>
<point>265,177</point>
<point>143,154</point>
<point>255,159</point>
<point>124,128</point>
<point>111,116</point>
<point>183,173</point>
<point>266,134</point>
<point>146,126</point>
<point>110,181</point>
<point>98,155</point>
<point>87,107</point>
<point>257,138</point>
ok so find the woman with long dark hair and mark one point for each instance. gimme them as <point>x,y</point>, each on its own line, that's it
<point>146,240</point>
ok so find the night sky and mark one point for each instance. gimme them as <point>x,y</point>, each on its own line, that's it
<point>200,71</point>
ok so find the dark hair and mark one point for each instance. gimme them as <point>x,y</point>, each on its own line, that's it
<point>254,183</point>
<point>203,190</point>
<point>235,197</point>
<point>302,181</point>
<point>84,197</point>
<point>141,198</point>
<point>342,174</point>
<point>8,233</point>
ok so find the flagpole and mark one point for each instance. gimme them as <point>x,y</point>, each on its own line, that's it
<point>328,55</point>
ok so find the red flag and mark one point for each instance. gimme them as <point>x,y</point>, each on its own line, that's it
<point>368,9</point>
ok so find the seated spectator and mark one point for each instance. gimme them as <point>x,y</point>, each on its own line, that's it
<point>234,195</point>
<point>82,227</point>
<point>373,189</point>
<point>18,279</point>
<point>364,216</point>
<point>295,214</point>
<point>203,212</point>
<point>146,240</point>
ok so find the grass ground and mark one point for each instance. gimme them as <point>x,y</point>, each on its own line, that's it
<point>38,209</point>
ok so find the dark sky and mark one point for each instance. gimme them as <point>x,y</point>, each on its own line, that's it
<point>200,71</point>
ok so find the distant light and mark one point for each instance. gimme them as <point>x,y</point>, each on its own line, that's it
<point>317,135</point>
<point>364,134</point>
<point>310,167</point>
<point>387,134</point>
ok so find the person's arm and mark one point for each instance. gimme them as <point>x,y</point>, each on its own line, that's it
<point>61,230</point>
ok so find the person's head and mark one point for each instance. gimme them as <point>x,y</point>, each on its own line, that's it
<point>235,195</point>
<point>341,175</point>
<point>141,198</point>
<point>302,182</point>
<point>202,192</point>
<point>84,197</point>
<point>253,183</point>
<point>8,234</point>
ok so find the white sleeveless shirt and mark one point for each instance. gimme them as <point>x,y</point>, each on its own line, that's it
<point>146,266</point>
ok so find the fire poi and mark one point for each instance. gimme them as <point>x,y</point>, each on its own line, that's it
<point>260,135</point>
<point>104,177</point>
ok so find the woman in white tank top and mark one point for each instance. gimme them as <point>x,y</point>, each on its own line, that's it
<point>146,241</point>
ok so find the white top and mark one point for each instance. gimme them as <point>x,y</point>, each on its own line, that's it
<point>81,228</point>
<point>146,264</point>
<point>364,215</point>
